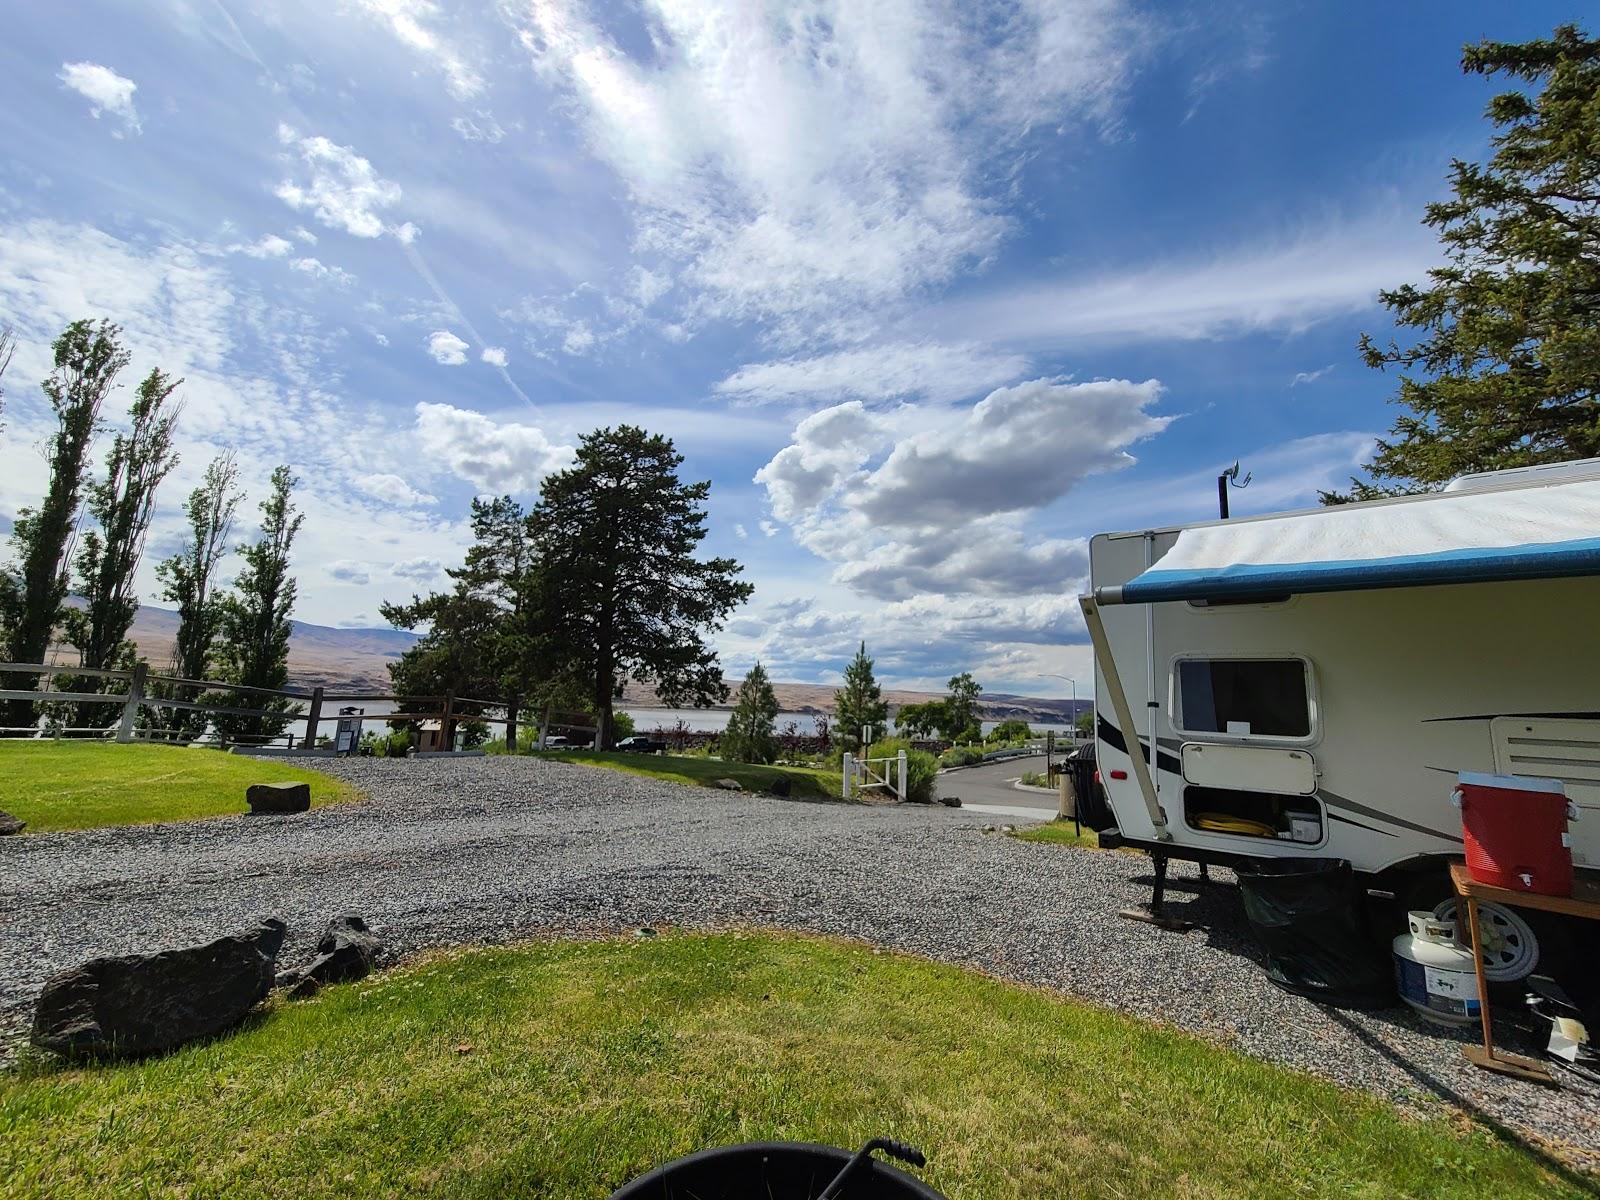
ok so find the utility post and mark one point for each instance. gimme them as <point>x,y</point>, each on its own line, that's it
<point>849,772</point>
<point>447,723</point>
<point>511,724</point>
<point>313,717</point>
<point>130,706</point>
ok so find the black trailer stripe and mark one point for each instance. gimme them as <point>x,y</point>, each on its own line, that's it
<point>1333,801</point>
<point>1333,816</point>
<point>1112,736</point>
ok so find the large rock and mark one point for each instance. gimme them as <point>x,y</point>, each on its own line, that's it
<point>10,824</point>
<point>278,797</point>
<point>143,1003</point>
<point>347,951</point>
<point>780,786</point>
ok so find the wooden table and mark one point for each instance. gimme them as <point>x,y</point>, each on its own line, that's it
<point>1584,902</point>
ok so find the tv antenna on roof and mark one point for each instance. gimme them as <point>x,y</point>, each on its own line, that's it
<point>1231,475</point>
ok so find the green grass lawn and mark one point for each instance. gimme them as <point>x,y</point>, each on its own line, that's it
<point>812,782</point>
<point>563,1069</point>
<point>55,785</point>
<point>1059,833</point>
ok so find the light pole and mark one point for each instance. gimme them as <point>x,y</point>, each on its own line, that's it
<point>1074,683</point>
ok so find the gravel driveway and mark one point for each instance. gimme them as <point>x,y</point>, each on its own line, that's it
<point>452,851</point>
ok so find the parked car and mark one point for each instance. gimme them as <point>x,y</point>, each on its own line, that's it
<point>556,742</point>
<point>639,744</point>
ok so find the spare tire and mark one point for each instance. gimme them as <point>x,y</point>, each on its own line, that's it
<point>1310,917</point>
<point>772,1171</point>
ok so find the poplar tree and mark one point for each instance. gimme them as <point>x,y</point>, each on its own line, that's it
<point>1504,370</point>
<point>188,581</point>
<point>255,617</point>
<point>751,735</point>
<point>860,702</point>
<point>87,360</point>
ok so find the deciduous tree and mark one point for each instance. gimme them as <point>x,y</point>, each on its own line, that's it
<point>1504,370</point>
<point>961,709</point>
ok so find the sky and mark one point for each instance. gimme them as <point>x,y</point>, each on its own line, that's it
<point>931,292</point>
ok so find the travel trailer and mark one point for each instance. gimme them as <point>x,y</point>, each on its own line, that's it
<point>1313,681</point>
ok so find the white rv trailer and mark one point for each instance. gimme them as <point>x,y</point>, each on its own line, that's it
<point>1313,681</point>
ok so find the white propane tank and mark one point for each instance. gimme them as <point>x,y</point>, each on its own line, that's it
<point>1435,975</point>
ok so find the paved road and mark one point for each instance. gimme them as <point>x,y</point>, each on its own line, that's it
<point>989,789</point>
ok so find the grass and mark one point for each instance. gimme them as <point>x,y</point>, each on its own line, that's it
<point>563,1069</point>
<point>1059,833</point>
<point>55,785</point>
<point>813,782</point>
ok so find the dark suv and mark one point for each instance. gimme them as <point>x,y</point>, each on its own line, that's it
<point>639,744</point>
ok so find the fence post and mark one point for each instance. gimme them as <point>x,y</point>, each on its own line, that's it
<point>313,717</point>
<point>511,725</point>
<point>447,724</point>
<point>900,788</point>
<point>130,706</point>
<point>849,772</point>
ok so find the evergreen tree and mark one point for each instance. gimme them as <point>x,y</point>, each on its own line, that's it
<point>621,593</point>
<point>121,506</point>
<point>8,347</point>
<point>961,709</point>
<point>88,359</point>
<point>1506,366</point>
<point>751,735</point>
<point>255,618</point>
<point>859,703</point>
<point>188,581</point>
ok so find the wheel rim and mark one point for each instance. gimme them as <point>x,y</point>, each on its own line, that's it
<point>1510,947</point>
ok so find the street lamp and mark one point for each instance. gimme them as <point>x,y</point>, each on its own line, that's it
<point>1074,683</point>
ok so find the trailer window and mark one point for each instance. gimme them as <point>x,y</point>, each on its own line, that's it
<point>1248,697</point>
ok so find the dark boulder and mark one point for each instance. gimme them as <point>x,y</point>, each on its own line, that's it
<point>781,786</point>
<point>347,951</point>
<point>278,797</point>
<point>950,801</point>
<point>10,824</point>
<point>729,785</point>
<point>144,1003</point>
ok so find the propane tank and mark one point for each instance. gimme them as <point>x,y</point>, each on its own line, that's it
<point>1435,975</point>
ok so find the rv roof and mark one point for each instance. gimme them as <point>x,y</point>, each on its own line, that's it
<point>1512,478</point>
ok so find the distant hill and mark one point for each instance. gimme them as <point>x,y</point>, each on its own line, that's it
<point>357,660</point>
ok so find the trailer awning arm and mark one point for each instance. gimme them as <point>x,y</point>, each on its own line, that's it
<point>1119,705</point>
<point>1451,537</point>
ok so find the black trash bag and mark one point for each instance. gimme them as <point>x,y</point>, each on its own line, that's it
<point>779,1170</point>
<point>1310,917</point>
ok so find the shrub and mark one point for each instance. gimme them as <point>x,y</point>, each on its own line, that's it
<point>960,756</point>
<point>922,768</point>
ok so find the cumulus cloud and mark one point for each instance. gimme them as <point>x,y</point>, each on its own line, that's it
<point>418,570</point>
<point>447,349</point>
<point>809,169</point>
<point>345,571</point>
<point>339,187</point>
<point>107,93</point>
<point>927,499</point>
<point>740,532</point>
<point>492,456</point>
<point>392,489</point>
<point>495,356</point>
<point>271,246</point>
<point>318,269</point>
<point>484,128</point>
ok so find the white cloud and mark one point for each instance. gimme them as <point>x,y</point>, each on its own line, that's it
<point>924,499</point>
<point>1310,376</point>
<point>1278,283</point>
<point>447,349</point>
<point>484,129</point>
<point>811,167</point>
<point>495,356</point>
<point>412,22</point>
<point>492,456</point>
<point>271,246</point>
<point>106,91</point>
<point>392,489</point>
<point>342,190</point>
<point>768,528</point>
<point>740,532</point>
<point>931,370</point>
<point>305,235</point>
<point>317,269</point>
<point>406,232</point>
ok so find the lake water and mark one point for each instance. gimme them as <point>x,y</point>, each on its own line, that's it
<point>647,719</point>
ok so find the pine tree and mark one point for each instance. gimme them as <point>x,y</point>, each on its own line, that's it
<point>88,359</point>
<point>121,506</point>
<point>751,735</point>
<point>255,618</point>
<point>859,703</point>
<point>1507,364</point>
<point>188,580</point>
<point>621,593</point>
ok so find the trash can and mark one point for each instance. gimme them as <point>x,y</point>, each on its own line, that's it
<point>1310,917</point>
<point>1093,811</point>
<point>773,1171</point>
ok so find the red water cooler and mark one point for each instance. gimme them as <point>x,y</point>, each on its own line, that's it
<point>1515,831</point>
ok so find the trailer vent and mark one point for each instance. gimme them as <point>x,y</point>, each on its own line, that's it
<point>1551,748</point>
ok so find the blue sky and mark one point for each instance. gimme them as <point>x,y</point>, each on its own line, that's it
<point>931,292</point>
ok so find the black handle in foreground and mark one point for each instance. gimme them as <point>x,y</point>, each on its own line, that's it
<point>889,1146</point>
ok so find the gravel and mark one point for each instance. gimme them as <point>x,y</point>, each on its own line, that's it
<point>491,849</point>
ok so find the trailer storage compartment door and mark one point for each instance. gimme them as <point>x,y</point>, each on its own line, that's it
<point>1249,768</point>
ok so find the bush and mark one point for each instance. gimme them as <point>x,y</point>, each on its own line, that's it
<point>960,756</point>
<point>1035,779</point>
<point>622,726</point>
<point>394,744</point>
<point>922,768</point>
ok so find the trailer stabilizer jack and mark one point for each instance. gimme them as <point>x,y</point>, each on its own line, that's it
<point>1155,913</point>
